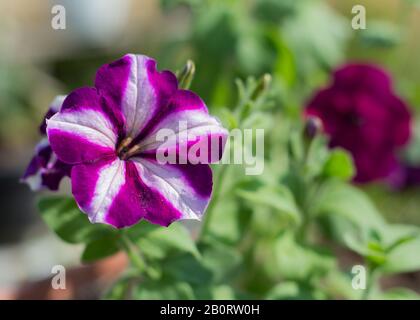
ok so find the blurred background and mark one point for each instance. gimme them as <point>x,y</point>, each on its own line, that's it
<point>298,42</point>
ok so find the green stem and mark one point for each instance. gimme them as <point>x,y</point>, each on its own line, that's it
<point>311,194</point>
<point>262,86</point>
<point>132,252</point>
<point>301,234</point>
<point>209,212</point>
<point>370,283</point>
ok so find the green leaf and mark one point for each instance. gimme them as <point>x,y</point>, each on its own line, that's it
<point>372,250</point>
<point>221,259</point>
<point>381,33</point>
<point>277,197</point>
<point>141,230</point>
<point>160,242</point>
<point>403,258</point>
<point>317,155</point>
<point>252,53</point>
<point>398,294</point>
<point>320,46</point>
<point>228,118</point>
<point>377,246</point>
<point>227,221</point>
<point>337,285</point>
<point>295,148</point>
<point>396,235</point>
<point>342,201</point>
<point>185,267</point>
<point>275,11</point>
<point>119,290</point>
<point>285,66</point>
<point>290,290</point>
<point>355,244</point>
<point>100,248</point>
<point>298,262</point>
<point>376,257</point>
<point>339,165</point>
<point>62,215</point>
<point>223,292</point>
<point>165,289</point>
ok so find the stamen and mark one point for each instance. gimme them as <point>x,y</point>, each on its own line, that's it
<point>124,144</point>
<point>134,150</point>
<point>125,150</point>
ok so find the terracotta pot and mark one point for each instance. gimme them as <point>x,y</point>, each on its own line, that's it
<point>84,282</point>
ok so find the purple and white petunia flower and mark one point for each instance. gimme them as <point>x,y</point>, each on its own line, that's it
<point>45,171</point>
<point>108,134</point>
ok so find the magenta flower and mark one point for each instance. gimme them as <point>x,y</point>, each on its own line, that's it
<point>405,176</point>
<point>109,134</point>
<point>44,169</point>
<point>361,113</point>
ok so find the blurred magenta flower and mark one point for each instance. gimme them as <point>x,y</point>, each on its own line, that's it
<point>44,169</point>
<point>109,135</point>
<point>405,176</point>
<point>361,113</point>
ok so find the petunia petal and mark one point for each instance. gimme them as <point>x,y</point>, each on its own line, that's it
<point>52,176</point>
<point>134,86</point>
<point>187,187</point>
<point>84,130</point>
<point>95,185</point>
<point>112,191</point>
<point>362,76</point>
<point>185,126</point>
<point>45,170</point>
<point>138,199</point>
<point>54,107</point>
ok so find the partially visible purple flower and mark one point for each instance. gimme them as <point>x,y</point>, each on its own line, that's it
<point>109,134</point>
<point>361,113</point>
<point>405,176</point>
<point>44,169</point>
<point>54,107</point>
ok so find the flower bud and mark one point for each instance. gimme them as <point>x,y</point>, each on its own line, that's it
<point>263,84</point>
<point>187,74</point>
<point>313,126</point>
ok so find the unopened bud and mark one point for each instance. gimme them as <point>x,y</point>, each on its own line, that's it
<point>187,74</point>
<point>263,84</point>
<point>313,126</point>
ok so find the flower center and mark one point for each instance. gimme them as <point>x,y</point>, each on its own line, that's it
<point>356,120</point>
<point>125,150</point>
